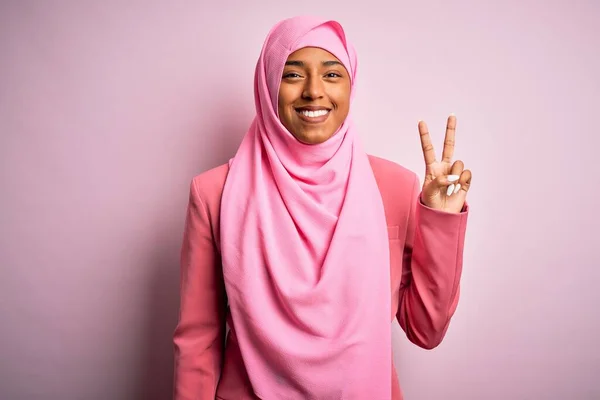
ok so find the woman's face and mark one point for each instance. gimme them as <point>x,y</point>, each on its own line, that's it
<point>314,95</point>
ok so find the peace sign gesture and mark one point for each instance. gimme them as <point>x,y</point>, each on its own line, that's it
<point>446,182</point>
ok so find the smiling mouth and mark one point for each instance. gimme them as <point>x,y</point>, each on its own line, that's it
<point>313,116</point>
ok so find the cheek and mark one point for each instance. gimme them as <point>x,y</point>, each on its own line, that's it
<point>281,101</point>
<point>341,97</point>
<point>287,95</point>
<point>285,99</point>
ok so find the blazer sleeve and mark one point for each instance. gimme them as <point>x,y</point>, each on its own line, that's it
<point>432,267</point>
<point>200,332</point>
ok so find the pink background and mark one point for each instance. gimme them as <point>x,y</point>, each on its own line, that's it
<point>107,110</point>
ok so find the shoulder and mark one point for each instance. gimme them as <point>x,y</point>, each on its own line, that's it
<point>208,187</point>
<point>398,187</point>
<point>212,181</point>
<point>390,174</point>
<point>395,183</point>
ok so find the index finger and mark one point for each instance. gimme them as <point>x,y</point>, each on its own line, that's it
<point>448,151</point>
<point>428,151</point>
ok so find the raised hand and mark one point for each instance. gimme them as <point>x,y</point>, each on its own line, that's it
<point>446,182</point>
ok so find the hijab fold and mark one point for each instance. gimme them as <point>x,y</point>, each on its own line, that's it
<point>304,245</point>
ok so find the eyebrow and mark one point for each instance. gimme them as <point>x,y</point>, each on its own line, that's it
<point>301,63</point>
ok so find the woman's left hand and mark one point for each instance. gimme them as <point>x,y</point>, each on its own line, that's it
<point>446,182</point>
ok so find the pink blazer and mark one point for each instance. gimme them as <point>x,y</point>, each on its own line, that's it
<point>426,251</point>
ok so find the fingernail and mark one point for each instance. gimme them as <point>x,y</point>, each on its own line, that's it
<point>453,178</point>
<point>457,188</point>
<point>450,189</point>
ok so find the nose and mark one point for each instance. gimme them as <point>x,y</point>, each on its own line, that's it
<point>313,88</point>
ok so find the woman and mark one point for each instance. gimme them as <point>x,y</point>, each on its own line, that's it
<point>296,243</point>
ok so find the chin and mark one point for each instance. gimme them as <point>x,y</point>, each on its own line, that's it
<point>313,136</point>
<point>313,139</point>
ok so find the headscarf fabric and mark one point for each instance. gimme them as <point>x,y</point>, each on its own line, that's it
<point>304,245</point>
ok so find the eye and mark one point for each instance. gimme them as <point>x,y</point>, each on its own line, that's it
<point>291,75</point>
<point>333,75</point>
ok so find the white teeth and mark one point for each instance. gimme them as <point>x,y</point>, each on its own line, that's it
<point>314,114</point>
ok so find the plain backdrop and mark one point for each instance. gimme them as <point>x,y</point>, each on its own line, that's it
<point>109,108</point>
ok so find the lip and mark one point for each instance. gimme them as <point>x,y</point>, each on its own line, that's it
<point>313,120</point>
<point>312,108</point>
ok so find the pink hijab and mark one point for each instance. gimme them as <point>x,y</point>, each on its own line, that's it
<point>304,246</point>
